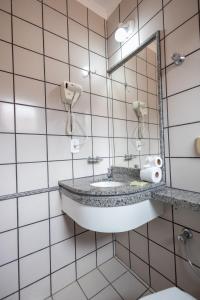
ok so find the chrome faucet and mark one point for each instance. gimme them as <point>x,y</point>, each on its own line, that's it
<point>109,174</point>
<point>178,58</point>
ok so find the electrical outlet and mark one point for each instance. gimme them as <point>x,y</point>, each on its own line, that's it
<point>138,145</point>
<point>75,145</point>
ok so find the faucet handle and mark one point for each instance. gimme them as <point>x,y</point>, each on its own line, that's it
<point>109,174</point>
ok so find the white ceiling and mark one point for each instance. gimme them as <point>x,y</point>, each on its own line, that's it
<point>103,8</point>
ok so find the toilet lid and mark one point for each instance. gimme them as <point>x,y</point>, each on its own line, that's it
<point>171,293</point>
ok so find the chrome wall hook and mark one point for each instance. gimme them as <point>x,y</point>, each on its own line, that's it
<point>178,58</point>
<point>185,235</point>
<point>94,159</point>
<point>128,157</point>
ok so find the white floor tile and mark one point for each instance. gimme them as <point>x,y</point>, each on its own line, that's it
<point>93,283</point>
<point>146,293</point>
<point>72,292</point>
<point>112,269</point>
<point>94,286</point>
<point>108,294</point>
<point>129,287</point>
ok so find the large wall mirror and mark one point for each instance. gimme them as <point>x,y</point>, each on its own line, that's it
<point>136,106</point>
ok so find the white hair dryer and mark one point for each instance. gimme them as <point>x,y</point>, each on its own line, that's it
<point>70,93</point>
<point>141,111</point>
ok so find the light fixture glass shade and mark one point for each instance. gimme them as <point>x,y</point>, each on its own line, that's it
<point>124,31</point>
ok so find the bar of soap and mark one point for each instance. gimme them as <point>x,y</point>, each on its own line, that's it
<point>138,183</point>
<point>197,145</point>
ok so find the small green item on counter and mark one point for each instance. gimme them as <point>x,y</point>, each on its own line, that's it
<point>138,183</point>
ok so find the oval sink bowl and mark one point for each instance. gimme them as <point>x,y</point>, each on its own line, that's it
<point>107,184</point>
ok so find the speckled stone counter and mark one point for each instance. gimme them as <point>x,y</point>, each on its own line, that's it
<point>178,198</point>
<point>80,189</point>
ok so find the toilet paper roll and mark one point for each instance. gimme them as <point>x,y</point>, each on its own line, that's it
<point>153,161</point>
<point>153,174</point>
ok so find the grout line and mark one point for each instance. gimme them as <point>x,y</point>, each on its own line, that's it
<point>143,294</point>
<point>90,90</point>
<point>182,124</point>
<point>174,249</point>
<point>77,279</point>
<point>149,257</point>
<point>133,273</point>
<point>111,284</point>
<point>166,92</point>
<point>82,290</point>
<point>152,267</point>
<point>54,9</point>
<point>182,91</point>
<point>186,55</point>
<point>10,295</point>
<point>16,170</point>
<point>46,139</point>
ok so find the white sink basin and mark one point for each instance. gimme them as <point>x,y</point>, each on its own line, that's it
<point>107,184</point>
<point>112,219</point>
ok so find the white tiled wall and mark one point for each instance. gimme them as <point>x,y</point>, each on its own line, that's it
<point>178,22</point>
<point>46,49</point>
<point>41,45</point>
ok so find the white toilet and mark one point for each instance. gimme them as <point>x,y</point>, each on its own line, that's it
<point>172,293</point>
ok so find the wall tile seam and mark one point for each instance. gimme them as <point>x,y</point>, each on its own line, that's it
<point>121,82</point>
<point>67,40</point>
<point>198,3</point>
<point>90,108</point>
<point>151,266</point>
<point>78,112</point>
<point>186,56</point>
<point>181,124</point>
<point>162,38</point>
<point>12,294</point>
<point>136,88</point>
<point>73,237</point>
<point>55,59</point>
<point>180,92</point>
<point>76,135</point>
<point>148,239</point>
<point>57,270</point>
<point>44,66</point>
<point>180,25</point>
<point>163,6</point>
<point>181,157</point>
<point>136,33</point>
<point>53,272</point>
<point>85,158</point>
<point>132,12</point>
<point>132,252</point>
<point>52,83</point>
<point>15,139</point>
<point>70,18</point>
<point>74,20</point>
<point>128,270</point>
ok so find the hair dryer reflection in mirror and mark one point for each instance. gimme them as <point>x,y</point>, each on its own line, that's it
<point>141,111</point>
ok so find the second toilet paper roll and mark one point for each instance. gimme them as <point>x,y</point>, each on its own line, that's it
<point>153,161</point>
<point>151,174</point>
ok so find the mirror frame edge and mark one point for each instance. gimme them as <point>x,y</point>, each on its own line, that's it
<point>156,37</point>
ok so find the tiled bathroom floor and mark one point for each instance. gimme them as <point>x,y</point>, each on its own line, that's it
<point>110,281</point>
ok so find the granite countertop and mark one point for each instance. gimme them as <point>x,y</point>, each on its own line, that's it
<point>81,191</point>
<point>177,197</point>
<point>82,186</point>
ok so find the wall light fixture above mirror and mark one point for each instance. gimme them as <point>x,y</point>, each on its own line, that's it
<point>124,31</point>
